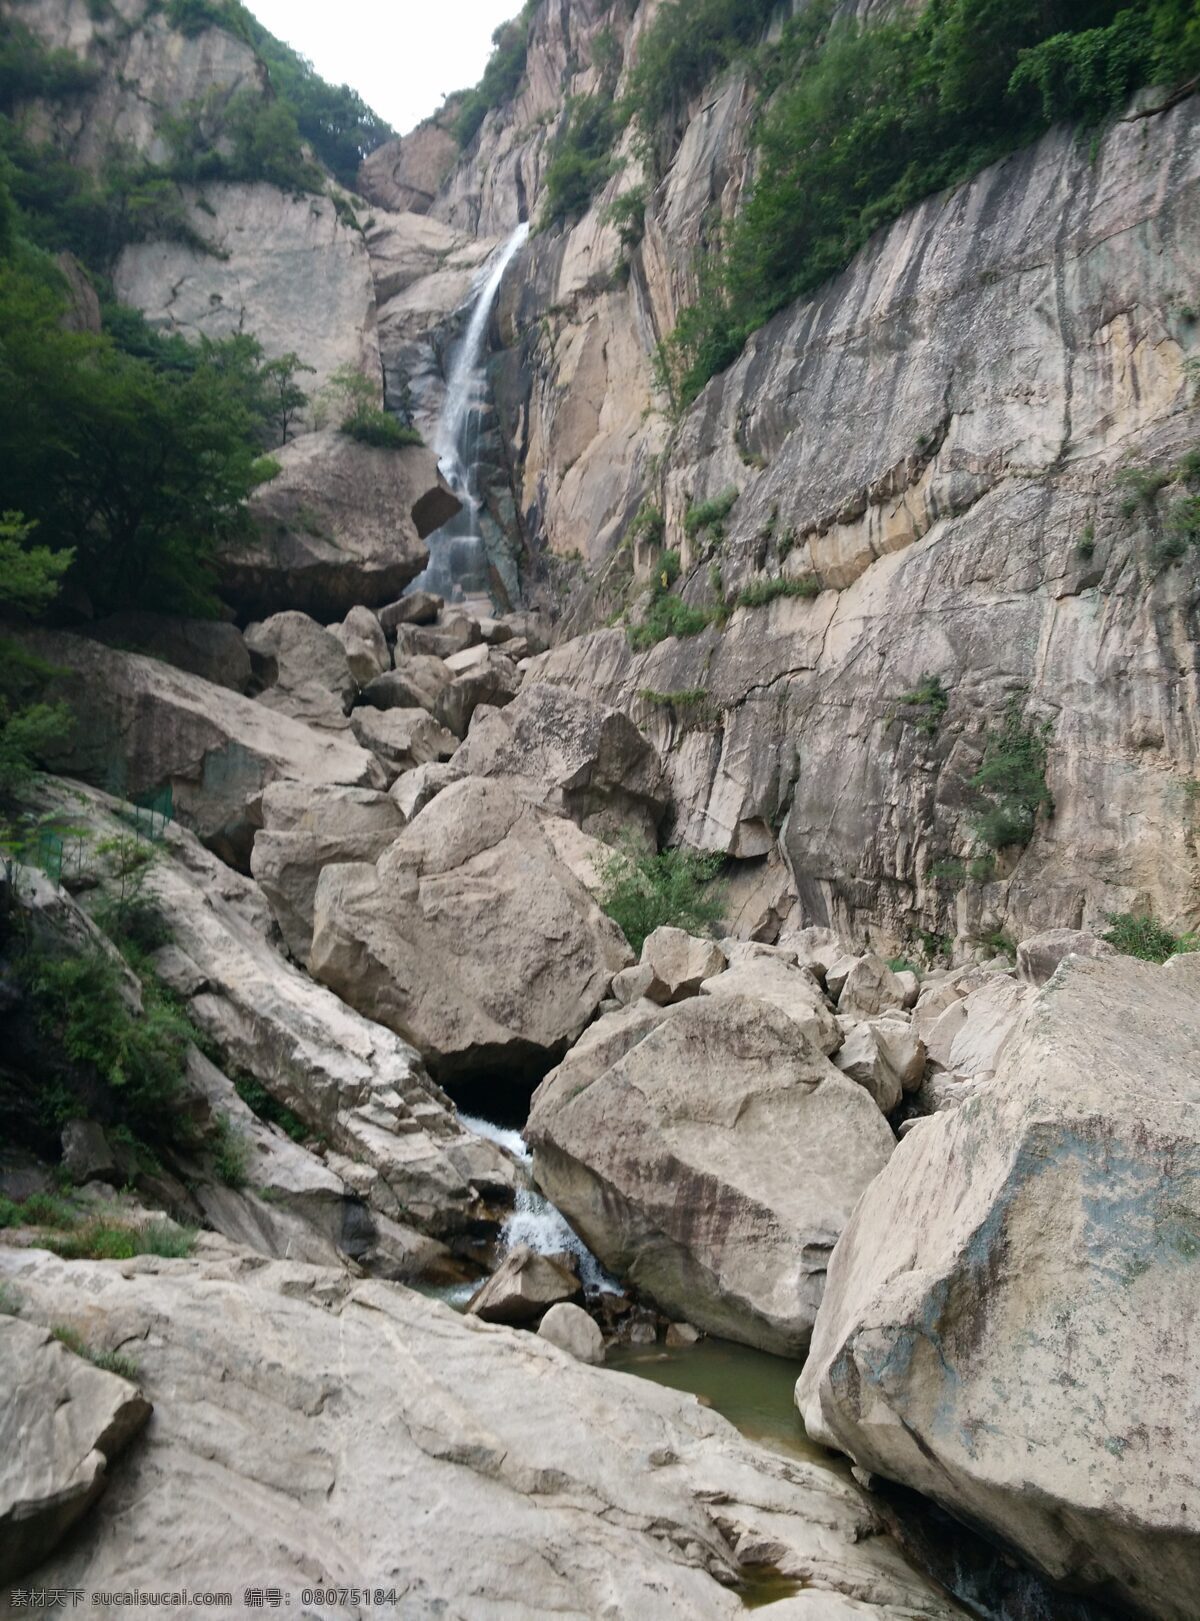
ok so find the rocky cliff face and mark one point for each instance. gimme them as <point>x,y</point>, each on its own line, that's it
<point>937,441</point>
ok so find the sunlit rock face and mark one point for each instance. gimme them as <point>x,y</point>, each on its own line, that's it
<point>1007,1320</point>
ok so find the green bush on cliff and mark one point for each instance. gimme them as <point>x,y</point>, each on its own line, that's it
<point>501,77</point>
<point>861,122</point>
<point>642,891</point>
<point>1137,935</point>
<point>1011,781</point>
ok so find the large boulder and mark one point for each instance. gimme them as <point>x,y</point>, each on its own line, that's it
<point>1040,955</point>
<point>400,1147</point>
<point>365,644</point>
<point>62,1422</point>
<point>1010,1324</point>
<point>209,648</point>
<point>303,668</point>
<point>491,680</point>
<point>573,1331</point>
<point>342,524</point>
<point>573,755</point>
<point>305,829</point>
<point>415,683</point>
<point>470,937</point>
<point>522,1287</point>
<point>710,1154</point>
<point>402,738</point>
<point>142,727</point>
<point>769,976</point>
<point>678,963</point>
<point>306,1415</point>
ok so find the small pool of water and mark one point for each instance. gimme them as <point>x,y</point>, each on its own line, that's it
<point>754,1391</point>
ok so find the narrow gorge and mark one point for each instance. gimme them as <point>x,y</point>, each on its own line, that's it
<point>600,784</point>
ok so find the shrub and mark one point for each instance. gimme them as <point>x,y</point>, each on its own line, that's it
<point>1012,780</point>
<point>230,1152</point>
<point>712,513</point>
<point>628,213</point>
<point>138,1060</point>
<point>108,1240</point>
<point>1143,936</point>
<point>255,1096</point>
<point>930,697</point>
<point>647,525</point>
<point>667,616</point>
<point>760,592</point>
<point>642,891</point>
<point>501,77</point>
<point>582,159</point>
<point>901,965</point>
<point>362,419</point>
<point>377,428</point>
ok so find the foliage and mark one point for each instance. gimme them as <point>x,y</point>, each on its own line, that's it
<point>257,1098</point>
<point>29,582</point>
<point>688,42</point>
<point>28,70</point>
<point>1143,936</point>
<point>334,119</point>
<point>710,514</point>
<point>362,419</point>
<point>1012,780</point>
<point>1001,943</point>
<point>683,699</point>
<point>863,121</point>
<point>647,525</point>
<point>901,965</point>
<point>642,891</point>
<point>230,1149</point>
<point>105,1239</point>
<point>628,213</point>
<point>501,77</point>
<point>760,592</point>
<point>138,464</point>
<point>582,158</point>
<point>667,616</point>
<point>117,1362</point>
<point>138,1061</point>
<point>930,697</point>
<point>243,137</point>
<point>10,1301</point>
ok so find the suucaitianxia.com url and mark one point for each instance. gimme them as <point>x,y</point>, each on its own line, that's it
<point>248,1598</point>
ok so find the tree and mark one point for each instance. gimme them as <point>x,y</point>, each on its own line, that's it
<point>140,470</point>
<point>29,581</point>
<point>286,399</point>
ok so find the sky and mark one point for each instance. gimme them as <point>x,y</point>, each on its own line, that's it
<point>402,56</point>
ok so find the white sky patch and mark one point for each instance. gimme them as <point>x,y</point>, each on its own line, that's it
<point>402,56</point>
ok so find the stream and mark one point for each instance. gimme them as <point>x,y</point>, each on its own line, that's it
<point>755,1392</point>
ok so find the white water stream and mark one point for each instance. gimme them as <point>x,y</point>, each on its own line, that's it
<point>534,1221</point>
<point>457,558</point>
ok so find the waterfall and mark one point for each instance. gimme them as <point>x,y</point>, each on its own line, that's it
<point>457,558</point>
<point>534,1221</point>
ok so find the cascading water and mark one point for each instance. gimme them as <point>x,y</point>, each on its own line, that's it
<point>458,562</point>
<point>534,1221</point>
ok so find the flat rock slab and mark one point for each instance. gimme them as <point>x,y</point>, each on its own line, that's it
<point>314,1430</point>
<point>62,1422</point>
